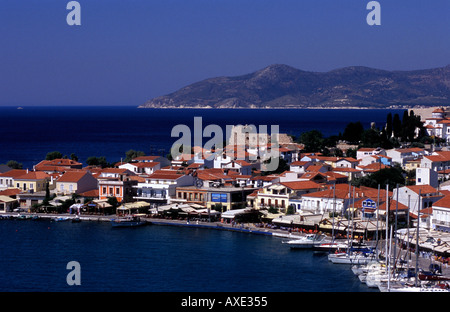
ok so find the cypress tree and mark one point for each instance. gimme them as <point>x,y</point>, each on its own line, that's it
<point>389,126</point>
<point>397,126</point>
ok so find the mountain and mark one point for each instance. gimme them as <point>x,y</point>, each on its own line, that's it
<point>282,86</point>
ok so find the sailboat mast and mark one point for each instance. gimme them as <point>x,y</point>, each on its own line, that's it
<point>387,217</point>
<point>417,238</point>
<point>376,235</point>
<point>334,211</point>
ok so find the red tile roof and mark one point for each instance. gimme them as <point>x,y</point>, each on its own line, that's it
<point>34,175</point>
<point>72,176</point>
<point>14,173</point>
<point>301,185</point>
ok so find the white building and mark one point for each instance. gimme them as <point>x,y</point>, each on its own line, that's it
<point>368,151</point>
<point>409,196</point>
<point>441,214</point>
<point>427,176</point>
<point>160,186</point>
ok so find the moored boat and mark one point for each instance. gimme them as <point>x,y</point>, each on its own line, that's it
<point>128,221</point>
<point>306,242</point>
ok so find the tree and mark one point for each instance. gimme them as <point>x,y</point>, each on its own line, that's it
<point>53,155</point>
<point>383,177</point>
<point>313,141</point>
<point>98,161</point>
<point>74,157</point>
<point>14,164</point>
<point>397,126</point>
<point>353,132</point>
<point>131,154</point>
<point>389,125</point>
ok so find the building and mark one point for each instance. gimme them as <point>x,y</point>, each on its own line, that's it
<point>160,187</point>
<point>76,182</point>
<point>438,124</point>
<point>415,196</point>
<point>33,181</point>
<point>118,183</point>
<point>281,194</point>
<point>427,176</point>
<point>57,165</point>
<point>7,203</point>
<point>7,178</point>
<point>441,214</point>
<point>368,151</point>
<point>402,155</point>
<point>147,167</point>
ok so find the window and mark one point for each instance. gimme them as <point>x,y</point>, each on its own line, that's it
<point>117,190</point>
<point>104,190</point>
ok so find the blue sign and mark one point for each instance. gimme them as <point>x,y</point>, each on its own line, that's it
<point>369,204</point>
<point>218,198</point>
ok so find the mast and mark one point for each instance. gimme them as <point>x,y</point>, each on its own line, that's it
<point>334,211</point>
<point>376,235</point>
<point>387,218</point>
<point>417,238</point>
<point>395,226</point>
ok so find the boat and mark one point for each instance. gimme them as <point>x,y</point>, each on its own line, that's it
<point>432,276</point>
<point>306,242</point>
<point>60,219</point>
<point>128,221</point>
<point>349,258</point>
<point>330,246</point>
<point>439,288</point>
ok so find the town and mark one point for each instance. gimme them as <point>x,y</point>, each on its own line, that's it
<point>309,192</point>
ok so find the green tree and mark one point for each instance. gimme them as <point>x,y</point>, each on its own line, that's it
<point>353,132</point>
<point>383,177</point>
<point>14,164</point>
<point>397,126</point>
<point>74,157</point>
<point>389,125</point>
<point>53,155</point>
<point>131,154</point>
<point>98,161</point>
<point>313,141</point>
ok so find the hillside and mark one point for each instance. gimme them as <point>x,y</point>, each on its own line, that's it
<point>282,86</point>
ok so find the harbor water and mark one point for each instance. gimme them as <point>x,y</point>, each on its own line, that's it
<point>156,258</point>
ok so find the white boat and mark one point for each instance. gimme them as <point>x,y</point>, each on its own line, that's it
<point>330,246</point>
<point>60,219</point>
<point>306,242</point>
<point>439,288</point>
<point>359,269</point>
<point>356,258</point>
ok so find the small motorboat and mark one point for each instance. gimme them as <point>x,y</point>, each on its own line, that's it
<point>306,242</point>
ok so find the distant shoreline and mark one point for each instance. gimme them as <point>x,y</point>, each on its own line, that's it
<point>296,108</point>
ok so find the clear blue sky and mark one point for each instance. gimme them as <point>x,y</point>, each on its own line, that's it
<point>126,52</point>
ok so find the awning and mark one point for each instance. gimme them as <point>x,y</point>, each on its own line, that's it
<point>230,214</point>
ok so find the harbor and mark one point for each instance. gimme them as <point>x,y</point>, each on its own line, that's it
<point>405,253</point>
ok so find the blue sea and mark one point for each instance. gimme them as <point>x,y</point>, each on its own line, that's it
<point>157,258</point>
<point>27,135</point>
<point>34,254</point>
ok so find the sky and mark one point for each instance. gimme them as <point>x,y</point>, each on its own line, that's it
<point>126,52</point>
